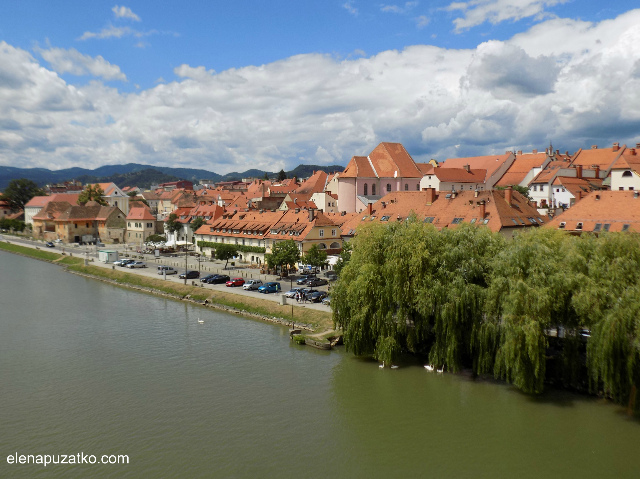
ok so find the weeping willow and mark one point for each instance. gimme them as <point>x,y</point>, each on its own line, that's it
<point>467,298</point>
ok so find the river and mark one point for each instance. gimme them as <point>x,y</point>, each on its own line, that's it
<point>86,367</point>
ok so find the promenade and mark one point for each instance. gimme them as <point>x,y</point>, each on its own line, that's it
<point>181,263</point>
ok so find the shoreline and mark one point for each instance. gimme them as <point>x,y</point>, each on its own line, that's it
<point>75,264</point>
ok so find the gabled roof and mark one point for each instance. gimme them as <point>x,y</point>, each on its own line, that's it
<point>37,202</point>
<point>549,173</point>
<point>521,167</point>
<point>316,183</point>
<point>601,157</point>
<point>611,210</point>
<point>63,211</point>
<point>459,175</point>
<point>358,167</point>
<point>140,213</point>
<point>387,160</point>
<point>629,160</point>
<point>490,163</point>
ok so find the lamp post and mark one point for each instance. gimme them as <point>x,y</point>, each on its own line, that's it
<point>186,257</point>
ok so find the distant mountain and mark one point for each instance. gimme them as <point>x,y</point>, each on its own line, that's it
<point>133,174</point>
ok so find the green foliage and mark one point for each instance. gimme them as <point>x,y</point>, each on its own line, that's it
<point>92,193</point>
<point>11,224</point>
<point>345,256</point>
<point>467,298</point>
<point>156,238</point>
<point>239,247</point>
<point>172,225</point>
<point>196,223</point>
<point>283,253</point>
<point>523,190</point>
<point>282,175</point>
<point>19,192</point>
<point>34,253</point>
<point>224,252</point>
<point>315,257</point>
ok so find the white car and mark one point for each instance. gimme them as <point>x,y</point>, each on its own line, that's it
<point>137,264</point>
<point>252,284</point>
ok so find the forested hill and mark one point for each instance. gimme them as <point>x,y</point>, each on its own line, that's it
<point>143,175</point>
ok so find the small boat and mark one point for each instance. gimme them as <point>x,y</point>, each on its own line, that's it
<point>429,367</point>
<point>441,370</point>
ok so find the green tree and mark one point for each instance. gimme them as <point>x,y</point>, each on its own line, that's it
<point>315,257</point>
<point>19,192</point>
<point>225,252</point>
<point>92,193</point>
<point>266,176</point>
<point>155,238</point>
<point>172,225</point>
<point>283,253</point>
<point>282,176</point>
<point>196,223</point>
<point>345,256</point>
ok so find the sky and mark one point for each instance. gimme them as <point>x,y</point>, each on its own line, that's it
<point>228,86</point>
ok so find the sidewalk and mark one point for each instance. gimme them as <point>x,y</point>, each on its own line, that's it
<point>205,268</point>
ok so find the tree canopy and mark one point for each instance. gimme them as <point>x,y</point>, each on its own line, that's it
<point>315,257</point>
<point>283,253</point>
<point>172,225</point>
<point>528,310</point>
<point>196,223</point>
<point>92,193</point>
<point>282,175</point>
<point>19,192</point>
<point>224,252</point>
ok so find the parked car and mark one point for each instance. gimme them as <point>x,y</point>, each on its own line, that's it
<point>326,300</point>
<point>49,244</point>
<point>316,296</point>
<point>219,279</point>
<point>252,284</point>
<point>271,287</point>
<point>316,282</point>
<point>235,282</point>
<point>124,262</point>
<point>307,269</point>
<point>167,269</point>
<point>293,291</point>
<point>206,278</point>
<point>305,278</point>
<point>189,275</point>
<point>137,264</point>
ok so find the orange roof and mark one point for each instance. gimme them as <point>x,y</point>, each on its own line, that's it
<point>629,160</point>
<point>140,213</point>
<point>611,210</point>
<point>549,172</point>
<point>387,160</point>
<point>314,184</point>
<point>490,163</point>
<point>447,211</point>
<point>601,157</point>
<point>358,167</point>
<point>459,175</point>
<point>519,169</point>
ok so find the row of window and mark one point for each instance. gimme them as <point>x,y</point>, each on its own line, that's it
<point>598,226</point>
<point>373,188</point>
<point>139,225</point>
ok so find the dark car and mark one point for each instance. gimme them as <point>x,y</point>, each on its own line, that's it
<point>49,244</point>
<point>316,296</point>
<point>124,262</point>
<point>189,275</point>
<point>207,278</point>
<point>316,282</point>
<point>219,279</point>
<point>305,278</point>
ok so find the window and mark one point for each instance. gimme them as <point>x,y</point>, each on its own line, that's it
<point>333,232</point>
<point>557,190</point>
<point>385,218</point>
<point>627,173</point>
<point>473,220</point>
<point>621,188</point>
<point>321,233</point>
<point>631,188</point>
<point>366,189</point>
<point>388,187</point>
<point>597,227</point>
<point>373,190</point>
<point>429,219</point>
<point>406,187</point>
<point>456,221</point>
<point>625,227</point>
<point>562,225</point>
<point>535,188</point>
<point>606,227</point>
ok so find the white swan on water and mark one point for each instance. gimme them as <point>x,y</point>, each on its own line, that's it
<point>200,321</point>
<point>429,367</point>
<point>393,366</point>
<point>381,366</point>
<point>441,370</point>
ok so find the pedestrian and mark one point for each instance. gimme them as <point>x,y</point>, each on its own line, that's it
<point>297,296</point>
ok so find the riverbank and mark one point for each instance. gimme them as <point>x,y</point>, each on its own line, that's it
<point>311,320</point>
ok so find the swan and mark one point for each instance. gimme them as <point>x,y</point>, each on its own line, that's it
<point>393,366</point>
<point>441,370</point>
<point>200,321</point>
<point>381,366</point>
<point>429,367</point>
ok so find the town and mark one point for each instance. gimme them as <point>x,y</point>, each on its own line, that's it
<point>592,190</point>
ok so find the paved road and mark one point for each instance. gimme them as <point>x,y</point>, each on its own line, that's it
<point>205,267</point>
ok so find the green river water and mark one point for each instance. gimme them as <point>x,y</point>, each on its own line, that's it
<point>89,368</point>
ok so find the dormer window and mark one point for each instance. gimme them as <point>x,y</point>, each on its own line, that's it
<point>562,225</point>
<point>579,226</point>
<point>627,173</point>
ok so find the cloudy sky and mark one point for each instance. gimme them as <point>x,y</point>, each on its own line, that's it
<point>227,86</point>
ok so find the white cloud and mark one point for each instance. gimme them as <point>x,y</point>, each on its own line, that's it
<point>574,83</point>
<point>422,21</point>
<point>108,32</point>
<point>408,6</point>
<point>348,6</point>
<point>74,62</point>
<point>476,12</point>
<point>125,12</point>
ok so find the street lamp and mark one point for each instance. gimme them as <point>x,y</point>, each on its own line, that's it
<point>186,257</point>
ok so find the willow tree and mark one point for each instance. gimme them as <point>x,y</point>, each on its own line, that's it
<point>608,304</point>
<point>530,292</point>
<point>410,287</point>
<point>92,193</point>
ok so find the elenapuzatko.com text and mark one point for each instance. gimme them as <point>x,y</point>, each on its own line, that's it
<point>79,458</point>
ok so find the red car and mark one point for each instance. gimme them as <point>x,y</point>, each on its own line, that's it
<point>235,282</point>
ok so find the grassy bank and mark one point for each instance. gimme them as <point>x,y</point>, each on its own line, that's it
<point>33,253</point>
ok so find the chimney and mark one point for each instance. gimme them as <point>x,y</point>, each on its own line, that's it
<point>483,209</point>
<point>616,147</point>
<point>369,208</point>
<point>519,152</point>
<point>597,168</point>
<point>297,210</point>
<point>475,194</point>
<point>579,171</point>
<point>431,195</point>
<point>578,195</point>
<point>534,151</point>
<point>508,195</point>
<point>468,168</point>
<point>384,205</point>
<point>632,151</point>
<point>637,146</point>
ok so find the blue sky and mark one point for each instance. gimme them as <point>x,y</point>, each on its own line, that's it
<point>228,86</point>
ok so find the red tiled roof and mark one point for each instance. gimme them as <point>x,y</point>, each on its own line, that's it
<point>519,169</point>
<point>459,175</point>
<point>140,213</point>
<point>602,157</point>
<point>314,184</point>
<point>358,167</point>
<point>490,163</point>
